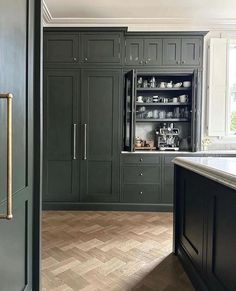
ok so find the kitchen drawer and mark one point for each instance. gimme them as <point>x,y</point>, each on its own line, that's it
<point>144,193</point>
<point>141,174</point>
<point>140,159</point>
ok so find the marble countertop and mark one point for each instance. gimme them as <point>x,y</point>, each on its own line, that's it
<point>216,152</point>
<point>219,169</point>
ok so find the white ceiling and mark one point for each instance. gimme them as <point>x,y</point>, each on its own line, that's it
<point>118,12</point>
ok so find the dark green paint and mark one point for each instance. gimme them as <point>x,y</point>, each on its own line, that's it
<point>17,69</point>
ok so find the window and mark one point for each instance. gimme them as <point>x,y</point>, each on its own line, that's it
<point>231,89</point>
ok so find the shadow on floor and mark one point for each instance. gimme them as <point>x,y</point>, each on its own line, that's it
<point>168,275</point>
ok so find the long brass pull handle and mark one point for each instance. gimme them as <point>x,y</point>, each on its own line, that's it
<point>74,140</point>
<point>8,214</point>
<point>85,141</point>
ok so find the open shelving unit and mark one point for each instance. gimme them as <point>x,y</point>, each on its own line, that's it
<point>140,120</point>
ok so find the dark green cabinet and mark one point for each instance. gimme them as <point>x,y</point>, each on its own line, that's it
<point>167,179</point>
<point>182,52</point>
<point>153,52</point>
<point>101,48</point>
<point>205,230</point>
<point>100,138</point>
<point>192,208</point>
<point>143,52</point>
<point>134,51</point>
<point>60,131</point>
<point>61,48</point>
<point>221,239</point>
<point>171,51</point>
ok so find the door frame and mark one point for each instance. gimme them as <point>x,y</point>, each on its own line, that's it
<point>36,23</point>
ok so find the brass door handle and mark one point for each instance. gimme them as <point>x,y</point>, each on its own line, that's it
<point>8,214</point>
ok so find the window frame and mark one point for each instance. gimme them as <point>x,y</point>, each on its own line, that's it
<point>229,135</point>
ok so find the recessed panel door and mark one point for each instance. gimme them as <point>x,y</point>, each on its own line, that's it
<point>191,51</point>
<point>100,139</point>
<point>60,136</point>
<point>134,54</point>
<point>16,144</point>
<point>171,51</point>
<point>153,52</point>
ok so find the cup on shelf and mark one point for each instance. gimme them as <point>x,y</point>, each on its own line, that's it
<point>162,114</point>
<point>155,113</point>
<point>178,85</point>
<point>169,114</point>
<point>169,85</point>
<point>140,99</point>
<point>163,85</point>
<point>175,100</point>
<point>187,84</point>
<point>183,98</point>
<point>176,112</point>
<point>155,99</point>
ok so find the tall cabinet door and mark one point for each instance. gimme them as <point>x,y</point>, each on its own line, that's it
<point>100,124</point>
<point>60,130</point>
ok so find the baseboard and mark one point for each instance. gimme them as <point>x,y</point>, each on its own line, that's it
<point>193,274</point>
<point>107,206</point>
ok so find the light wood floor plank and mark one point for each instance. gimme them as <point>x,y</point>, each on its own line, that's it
<point>110,251</point>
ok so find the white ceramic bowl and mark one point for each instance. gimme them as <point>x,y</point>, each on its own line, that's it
<point>187,84</point>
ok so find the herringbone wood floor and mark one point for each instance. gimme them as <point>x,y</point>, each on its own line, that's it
<point>110,251</point>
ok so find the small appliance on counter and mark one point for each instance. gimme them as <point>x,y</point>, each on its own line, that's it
<point>167,137</point>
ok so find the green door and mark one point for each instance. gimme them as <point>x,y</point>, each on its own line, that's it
<point>16,165</point>
<point>60,135</point>
<point>61,48</point>
<point>153,52</point>
<point>134,51</point>
<point>171,51</point>
<point>191,51</point>
<point>100,135</point>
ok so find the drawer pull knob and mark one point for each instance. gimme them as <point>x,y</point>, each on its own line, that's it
<point>141,174</point>
<point>141,160</point>
<point>141,193</point>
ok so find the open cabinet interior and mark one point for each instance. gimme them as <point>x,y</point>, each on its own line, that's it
<point>159,111</point>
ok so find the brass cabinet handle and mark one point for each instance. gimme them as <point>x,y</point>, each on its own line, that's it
<point>85,141</point>
<point>141,174</point>
<point>74,140</point>
<point>8,214</point>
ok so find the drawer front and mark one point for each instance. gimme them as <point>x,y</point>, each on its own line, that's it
<point>141,174</point>
<point>133,193</point>
<point>140,159</point>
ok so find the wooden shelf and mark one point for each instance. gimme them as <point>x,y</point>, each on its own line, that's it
<point>164,89</point>
<point>162,120</point>
<point>162,104</point>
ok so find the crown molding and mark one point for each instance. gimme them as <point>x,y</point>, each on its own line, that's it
<point>141,24</point>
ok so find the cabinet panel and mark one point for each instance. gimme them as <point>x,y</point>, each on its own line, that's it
<point>171,51</point>
<point>153,51</point>
<point>144,193</point>
<point>221,259</point>
<point>134,51</point>
<point>192,209</point>
<point>60,99</point>
<point>61,48</point>
<point>190,52</point>
<point>141,174</point>
<point>101,48</point>
<point>100,168</point>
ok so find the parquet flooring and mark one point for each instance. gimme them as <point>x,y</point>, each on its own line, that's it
<point>110,251</point>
